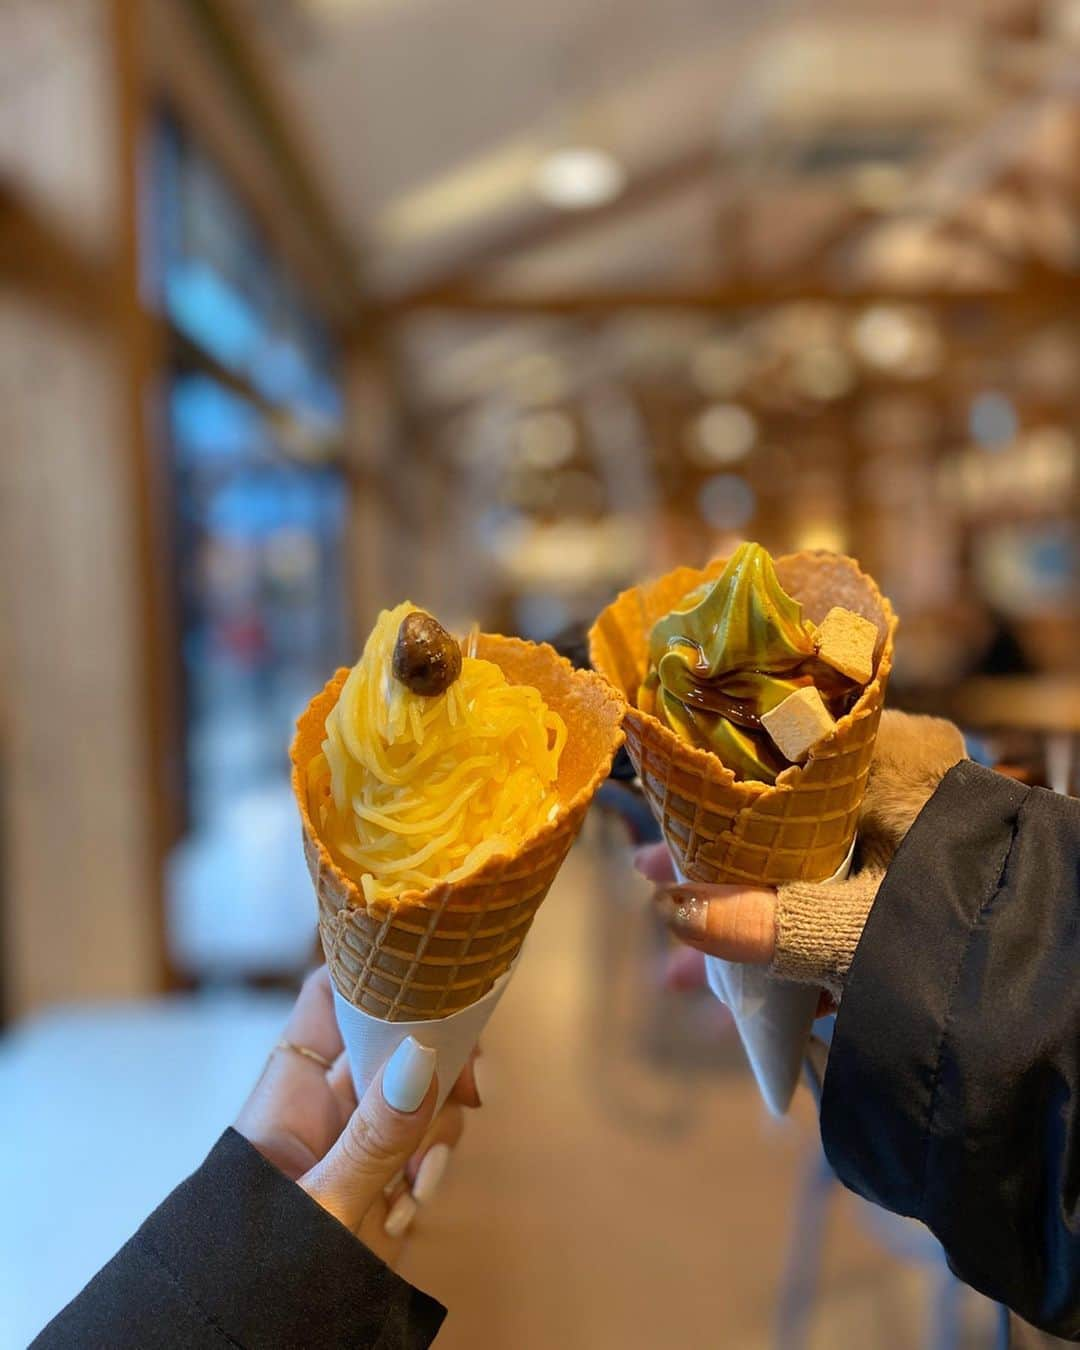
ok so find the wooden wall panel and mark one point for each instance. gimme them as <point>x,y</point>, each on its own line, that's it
<point>56,144</point>
<point>79,887</point>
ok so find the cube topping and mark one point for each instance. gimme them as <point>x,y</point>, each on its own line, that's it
<point>799,724</point>
<point>846,641</point>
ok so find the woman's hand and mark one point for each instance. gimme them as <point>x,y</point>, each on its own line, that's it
<point>369,1165</point>
<point>809,931</point>
<point>735,922</point>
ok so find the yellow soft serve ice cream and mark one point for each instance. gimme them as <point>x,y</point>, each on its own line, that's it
<point>433,761</point>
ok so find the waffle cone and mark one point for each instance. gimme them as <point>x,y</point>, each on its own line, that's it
<point>718,828</point>
<point>431,953</point>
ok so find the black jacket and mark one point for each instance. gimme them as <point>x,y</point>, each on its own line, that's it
<point>953,1087</point>
<point>238,1255</point>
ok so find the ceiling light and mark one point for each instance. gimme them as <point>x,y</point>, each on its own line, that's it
<point>823,373</point>
<point>723,434</point>
<point>579,177</point>
<point>821,534</point>
<point>884,337</point>
<point>546,440</point>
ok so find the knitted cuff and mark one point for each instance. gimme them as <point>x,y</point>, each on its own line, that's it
<point>818,926</point>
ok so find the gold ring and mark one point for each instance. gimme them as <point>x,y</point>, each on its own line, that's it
<point>307,1052</point>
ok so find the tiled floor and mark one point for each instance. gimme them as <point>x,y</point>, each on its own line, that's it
<point>622,1188</point>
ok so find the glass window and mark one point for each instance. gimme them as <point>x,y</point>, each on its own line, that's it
<point>259,514</point>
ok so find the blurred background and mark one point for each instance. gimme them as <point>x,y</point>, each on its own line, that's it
<point>310,305</point>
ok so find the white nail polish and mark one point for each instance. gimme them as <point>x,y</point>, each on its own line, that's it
<point>400,1217</point>
<point>482,1078</point>
<point>430,1173</point>
<point>394,1182</point>
<point>408,1075</point>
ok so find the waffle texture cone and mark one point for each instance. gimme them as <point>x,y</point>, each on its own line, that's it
<point>431,953</point>
<point>718,828</point>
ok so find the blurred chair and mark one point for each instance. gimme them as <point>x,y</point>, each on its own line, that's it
<point>1045,706</point>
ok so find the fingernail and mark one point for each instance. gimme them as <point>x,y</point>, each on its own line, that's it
<point>481,1073</point>
<point>639,856</point>
<point>686,914</point>
<point>400,1217</point>
<point>430,1172</point>
<point>394,1182</point>
<point>408,1075</point>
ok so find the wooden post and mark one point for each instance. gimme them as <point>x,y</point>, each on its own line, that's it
<point>142,349</point>
<point>378,566</point>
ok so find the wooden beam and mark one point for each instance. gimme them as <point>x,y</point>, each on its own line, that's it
<point>269,108</point>
<point>39,260</point>
<point>1038,296</point>
<point>157,647</point>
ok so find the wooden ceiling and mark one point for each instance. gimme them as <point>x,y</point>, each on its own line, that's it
<point>428,119</point>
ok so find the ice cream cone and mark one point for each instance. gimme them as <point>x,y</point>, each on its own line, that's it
<point>720,829</point>
<point>429,954</point>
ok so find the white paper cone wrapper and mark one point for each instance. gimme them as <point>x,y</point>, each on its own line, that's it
<point>369,1041</point>
<point>774,1017</point>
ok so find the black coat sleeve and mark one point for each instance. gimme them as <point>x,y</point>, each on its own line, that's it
<point>238,1255</point>
<point>953,1087</point>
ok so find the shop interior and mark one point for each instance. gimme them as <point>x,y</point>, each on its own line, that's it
<point>309,306</point>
